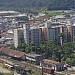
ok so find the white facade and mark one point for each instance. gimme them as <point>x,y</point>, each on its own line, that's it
<point>18,37</point>
<point>26,28</point>
<point>73,32</point>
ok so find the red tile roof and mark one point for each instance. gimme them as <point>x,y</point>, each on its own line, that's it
<point>47,61</point>
<point>11,52</point>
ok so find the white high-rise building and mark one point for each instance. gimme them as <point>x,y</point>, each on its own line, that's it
<point>18,37</point>
<point>73,32</point>
<point>53,30</point>
<point>26,28</point>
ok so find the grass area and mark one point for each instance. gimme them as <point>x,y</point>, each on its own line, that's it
<point>7,74</point>
<point>65,72</point>
<point>35,71</point>
<point>56,12</point>
<point>50,13</point>
<point>1,64</point>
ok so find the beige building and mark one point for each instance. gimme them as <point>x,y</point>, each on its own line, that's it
<point>26,28</point>
<point>18,37</point>
<point>52,31</point>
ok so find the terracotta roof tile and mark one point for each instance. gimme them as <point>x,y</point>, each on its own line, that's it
<point>11,52</point>
<point>47,61</point>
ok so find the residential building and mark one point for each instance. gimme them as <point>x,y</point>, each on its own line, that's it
<point>53,30</point>
<point>18,37</point>
<point>57,66</point>
<point>73,32</point>
<point>7,13</point>
<point>10,33</point>
<point>69,32</point>
<point>35,35</point>
<point>59,18</point>
<point>26,28</point>
<point>34,58</point>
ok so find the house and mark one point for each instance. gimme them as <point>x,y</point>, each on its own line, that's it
<point>59,18</point>
<point>34,58</point>
<point>48,70</point>
<point>15,54</point>
<point>57,66</point>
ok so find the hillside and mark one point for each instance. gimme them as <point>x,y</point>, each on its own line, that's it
<point>37,4</point>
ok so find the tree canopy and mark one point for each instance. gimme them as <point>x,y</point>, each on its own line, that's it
<point>51,50</point>
<point>47,4</point>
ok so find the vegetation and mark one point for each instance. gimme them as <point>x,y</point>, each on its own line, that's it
<point>28,5</point>
<point>51,50</point>
<point>55,12</point>
<point>5,73</point>
<point>1,74</point>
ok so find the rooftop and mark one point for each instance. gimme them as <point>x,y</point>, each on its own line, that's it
<point>32,55</point>
<point>20,15</point>
<point>47,61</point>
<point>8,12</point>
<point>60,17</point>
<point>11,52</point>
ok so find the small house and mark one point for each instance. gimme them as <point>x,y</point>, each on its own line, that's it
<point>35,58</point>
<point>15,54</point>
<point>57,66</point>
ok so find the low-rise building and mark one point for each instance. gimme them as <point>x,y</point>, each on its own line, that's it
<point>35,58</point>
<point>15,54</point>
<point>57,66</point>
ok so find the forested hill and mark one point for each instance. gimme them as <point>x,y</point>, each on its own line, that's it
<point>49,4</point>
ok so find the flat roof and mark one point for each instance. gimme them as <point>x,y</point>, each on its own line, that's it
<point>8,12</point>
<point>32,55</point>
<point>60,16</point>
<point>34,27</point>
<point>20,15</point>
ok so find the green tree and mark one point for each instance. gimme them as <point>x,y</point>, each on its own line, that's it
<point>28,5</point>
<point>48,47</point>
<point>67,52</point>
<point>1,73</point>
